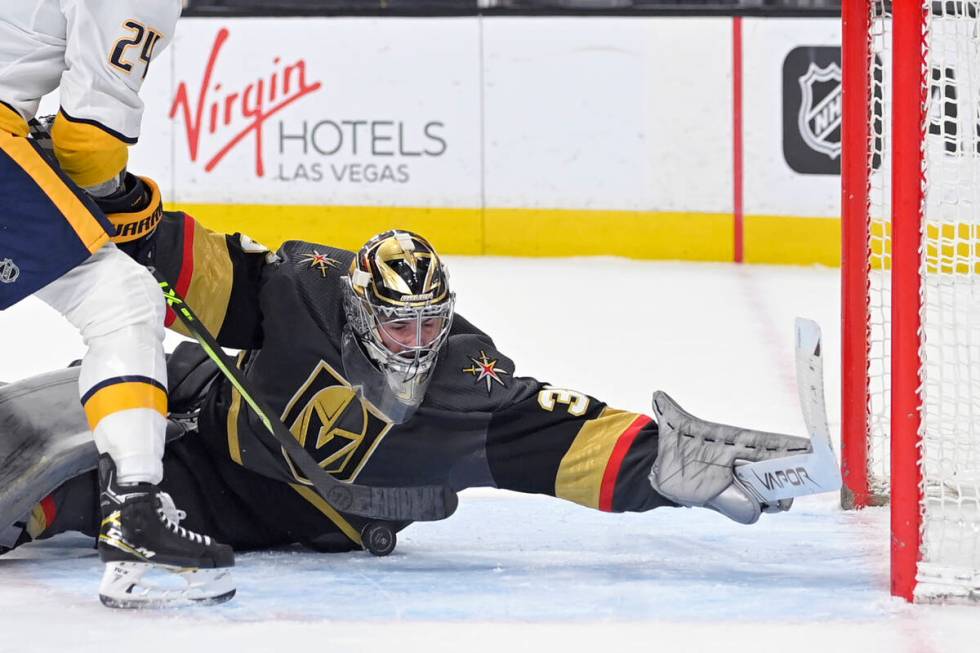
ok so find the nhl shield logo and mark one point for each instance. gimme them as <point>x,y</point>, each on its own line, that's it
<point>820,109</point>
<point>8,271</point>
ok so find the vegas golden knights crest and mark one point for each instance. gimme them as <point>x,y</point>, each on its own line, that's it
<point>338,428</point>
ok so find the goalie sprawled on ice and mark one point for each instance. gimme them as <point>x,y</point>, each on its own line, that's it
<point>365,361</point>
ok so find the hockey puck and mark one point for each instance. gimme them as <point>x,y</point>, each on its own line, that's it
<point>378,538</point>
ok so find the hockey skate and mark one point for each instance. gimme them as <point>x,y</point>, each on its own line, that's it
<point>152,561</point>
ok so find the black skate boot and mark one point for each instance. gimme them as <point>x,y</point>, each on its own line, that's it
<point>141,533</point>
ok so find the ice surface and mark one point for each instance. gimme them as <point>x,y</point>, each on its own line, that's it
<point>522,573</point>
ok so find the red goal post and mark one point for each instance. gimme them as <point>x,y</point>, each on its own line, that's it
<point>911,285</point>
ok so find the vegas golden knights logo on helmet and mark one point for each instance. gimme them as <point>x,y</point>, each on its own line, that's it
<point>330,421</point>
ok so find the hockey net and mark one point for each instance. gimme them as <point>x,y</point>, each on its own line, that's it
<point>911,301</point>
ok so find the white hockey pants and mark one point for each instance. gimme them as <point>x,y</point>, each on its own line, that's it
<point>119,310</point>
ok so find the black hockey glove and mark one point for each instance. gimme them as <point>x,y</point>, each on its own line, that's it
<point>135,210</point>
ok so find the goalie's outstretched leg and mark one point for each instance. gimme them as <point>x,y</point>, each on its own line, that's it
<point>141,540</point>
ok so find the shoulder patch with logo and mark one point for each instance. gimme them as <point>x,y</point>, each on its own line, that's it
<point>321,262</point>
<point>484,369</point>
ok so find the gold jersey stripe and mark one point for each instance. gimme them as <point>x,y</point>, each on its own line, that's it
<point>11,121</point>
<point>580,473</point>
<point>209,291</point>
<point>88,154</point>
<point>329,512</point>
<point>86,226</point>
<point>124,396</point>
<point>42,516</point>
<point>234,446</point>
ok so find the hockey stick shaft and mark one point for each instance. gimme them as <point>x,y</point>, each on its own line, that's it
<point>422,503</point>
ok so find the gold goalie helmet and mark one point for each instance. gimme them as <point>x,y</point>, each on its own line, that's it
<point>399,311</point>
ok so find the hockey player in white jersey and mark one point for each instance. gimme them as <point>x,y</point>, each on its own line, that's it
<point>60,211</point>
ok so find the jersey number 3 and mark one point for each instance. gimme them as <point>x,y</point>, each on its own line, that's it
<point>140,35</point>
<point>576,402</point>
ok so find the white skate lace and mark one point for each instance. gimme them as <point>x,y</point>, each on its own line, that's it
<point>172,516</point>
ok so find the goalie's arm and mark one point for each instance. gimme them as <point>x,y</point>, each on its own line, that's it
<point>568,445</point>
<point>219,274</point>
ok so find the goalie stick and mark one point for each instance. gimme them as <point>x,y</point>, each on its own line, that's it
<point>800,474</point>
<point>422,503</point>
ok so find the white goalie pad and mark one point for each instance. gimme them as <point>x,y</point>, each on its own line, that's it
<point>44,440</point>
<point>800,474</point>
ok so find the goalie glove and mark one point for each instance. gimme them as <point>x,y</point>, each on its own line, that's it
<point>696,459</point>
<point>135,209</point>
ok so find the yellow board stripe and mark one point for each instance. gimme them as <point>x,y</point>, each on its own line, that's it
<point>634,234</point>
<point>126,395</point>
<point>651,235</point>
<point>792,240</point>
<point>581,470</point>
<point>352,533</point>
<point>951,248</point>
<point>88,228</point>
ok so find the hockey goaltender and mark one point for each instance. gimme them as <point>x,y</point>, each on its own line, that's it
<point>366,362</point>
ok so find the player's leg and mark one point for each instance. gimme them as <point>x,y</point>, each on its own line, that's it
<point>54,238</point>
<point>119,310</point>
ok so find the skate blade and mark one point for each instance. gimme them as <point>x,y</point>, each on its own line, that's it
<point>132,585</point>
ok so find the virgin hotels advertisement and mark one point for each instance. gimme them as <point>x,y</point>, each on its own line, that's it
<point>274,111</point>
<point>606,113</point>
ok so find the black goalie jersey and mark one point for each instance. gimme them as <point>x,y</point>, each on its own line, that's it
<point>481,423</point>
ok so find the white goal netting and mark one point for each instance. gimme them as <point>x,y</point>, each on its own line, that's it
<point>950,311</point>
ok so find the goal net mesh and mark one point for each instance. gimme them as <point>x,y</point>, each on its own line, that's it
<point>950,294</point>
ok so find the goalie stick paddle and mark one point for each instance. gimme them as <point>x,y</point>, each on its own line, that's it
<point>422,503</point>
<point>801,474</point>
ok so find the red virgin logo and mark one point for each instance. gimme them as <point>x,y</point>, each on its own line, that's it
<point>210,115</point>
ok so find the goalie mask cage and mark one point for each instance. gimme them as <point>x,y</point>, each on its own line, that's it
<point>911,298</point>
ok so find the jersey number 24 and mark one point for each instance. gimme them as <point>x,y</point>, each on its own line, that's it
<point>139,36</point>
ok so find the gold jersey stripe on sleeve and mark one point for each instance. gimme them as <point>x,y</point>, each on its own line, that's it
<point>124,395</point>
<point>11,121</point>
<point>90,155</point>
<point>89,230</point>
<point>329,512</point>
<point>582,468</point>
<point>210,286</point>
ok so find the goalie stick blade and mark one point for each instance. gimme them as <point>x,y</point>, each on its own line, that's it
<point>803,474</point>
<point>423,503</point>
